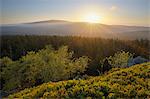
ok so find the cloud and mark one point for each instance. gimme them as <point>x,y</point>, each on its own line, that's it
<point>113,8</point>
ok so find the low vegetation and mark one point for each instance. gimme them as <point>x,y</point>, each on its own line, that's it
<point>120,59</point>
<point>132,82</point>
<point>39,67</point>
<point>67,66</point>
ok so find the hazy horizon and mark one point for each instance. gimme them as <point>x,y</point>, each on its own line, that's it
<point>114,12</point>
<point>29,22</point>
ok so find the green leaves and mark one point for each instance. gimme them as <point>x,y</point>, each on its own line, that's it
<point>120,59</point>
<point>43,66</point>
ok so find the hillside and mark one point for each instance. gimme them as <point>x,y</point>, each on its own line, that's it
<point>66,28</point>
<point>122,82</point>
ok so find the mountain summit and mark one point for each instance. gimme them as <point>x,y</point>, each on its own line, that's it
<point>48,21</point>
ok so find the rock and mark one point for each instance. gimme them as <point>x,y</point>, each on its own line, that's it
<point>137,60</point>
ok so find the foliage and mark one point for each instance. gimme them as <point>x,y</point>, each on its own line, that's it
<point>120,59</point>
<point>9,74</point>
<point>43,66</point>
<point>96,49</point>
<point>127,83</point>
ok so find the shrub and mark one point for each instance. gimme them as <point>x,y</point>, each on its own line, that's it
<point>116,84</point>
<point>9,75</point>
<point>43,66</point>
<point>120,59</point>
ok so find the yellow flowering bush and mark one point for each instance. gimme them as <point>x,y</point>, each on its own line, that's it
<point>123,83</point>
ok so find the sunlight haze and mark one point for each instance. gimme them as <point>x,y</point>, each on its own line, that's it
<point>120,12</point>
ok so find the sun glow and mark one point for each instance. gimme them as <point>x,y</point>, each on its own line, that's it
<point>92,18</point>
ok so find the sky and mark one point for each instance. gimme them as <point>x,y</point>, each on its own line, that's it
<point>117,12</point>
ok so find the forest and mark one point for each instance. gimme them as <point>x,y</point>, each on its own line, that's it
<point>95,48</point>
<point>64,64</point>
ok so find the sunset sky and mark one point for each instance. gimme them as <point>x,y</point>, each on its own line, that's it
<point>121,12</point>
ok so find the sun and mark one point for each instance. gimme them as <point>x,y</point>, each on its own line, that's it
<point>92,18</point>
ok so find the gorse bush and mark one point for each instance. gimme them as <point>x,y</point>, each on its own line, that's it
<point>125,83</point>
<point>43,66</point>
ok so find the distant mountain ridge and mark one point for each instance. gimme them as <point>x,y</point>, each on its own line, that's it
<point>62,27</point>
<point>47,21</point>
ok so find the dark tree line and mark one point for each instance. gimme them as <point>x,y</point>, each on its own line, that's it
<point>95,48</point>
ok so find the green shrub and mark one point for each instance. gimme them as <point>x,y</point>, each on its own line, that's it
<point>10,78</point>
<point>43,66</point>
<point>120,59</point>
